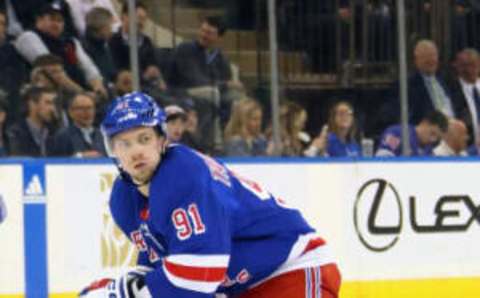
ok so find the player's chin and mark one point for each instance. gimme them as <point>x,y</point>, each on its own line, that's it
<point>143,176</point>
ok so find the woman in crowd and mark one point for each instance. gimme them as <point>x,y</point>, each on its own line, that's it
<point>243,133</point>
<point>337,139</point>
<point>294,139</point>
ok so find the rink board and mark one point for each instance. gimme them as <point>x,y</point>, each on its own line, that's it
<point>399,229</point>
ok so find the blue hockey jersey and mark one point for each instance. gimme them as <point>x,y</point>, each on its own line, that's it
<point>204,229</point>
<point>391,142</point>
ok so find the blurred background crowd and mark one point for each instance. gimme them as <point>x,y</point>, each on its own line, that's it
<point>207,63</point>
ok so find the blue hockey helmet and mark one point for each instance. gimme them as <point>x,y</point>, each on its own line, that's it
<point>133,110</point>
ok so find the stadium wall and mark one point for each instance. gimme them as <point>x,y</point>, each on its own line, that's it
<point>403,228</point>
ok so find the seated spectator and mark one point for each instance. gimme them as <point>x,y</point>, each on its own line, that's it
<point>426,90</point>
<point>422,137</point>
<point>176,123</point>
<point>191,136</point>
<point>47,38</point>
<point>243,134</point>
<point>201,62</point>
<point>294,140</point>
<point>466,90</point>
<point>81,8</point>
<point>80,138</point>
<point>120,47</point>
<point>96,41</point>
<point>337,139</point>
<point>24,13</point>
<point>123,83</point>
<point>13,69</point>
<point>454,141</point>
<point>31,136</point>
<point>3,126</point>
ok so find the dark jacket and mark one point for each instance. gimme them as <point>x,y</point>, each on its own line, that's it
<point>121,52</point>
<point>21,142</point>
<point>101,54</point>
<point>70,141</point>
<point>419,101</point>
<point>190,67</point>
<point>460,105</point>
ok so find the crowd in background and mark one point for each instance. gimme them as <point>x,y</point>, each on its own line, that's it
<point>63,61</point>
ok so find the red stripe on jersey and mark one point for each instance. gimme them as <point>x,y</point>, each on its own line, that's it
<point>144,214</point>
<point>208,274</point>
<point>312,244</point>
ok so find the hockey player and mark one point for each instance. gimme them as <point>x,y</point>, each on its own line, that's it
<point>200,228</point>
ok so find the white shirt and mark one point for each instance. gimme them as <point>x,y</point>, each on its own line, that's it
<point>467,89</point>
<point>444,150</point>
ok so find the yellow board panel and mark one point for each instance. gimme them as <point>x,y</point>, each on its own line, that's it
<point>429,288</point>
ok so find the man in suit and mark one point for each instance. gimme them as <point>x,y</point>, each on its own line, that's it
<point>426,90</point>
<point>80,138</point>
<point>466,90</point>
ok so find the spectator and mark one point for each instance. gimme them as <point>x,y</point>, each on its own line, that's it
<point>3,126</point>
<point>200,70</point>
<point>24,13</point>
<point>31,136</point>
<point>96,41</point>
<point>80,138</point>
<point>201,63</point>
<point>13,69</point>
<point>48,72</point>
<point>176,123</point>
<point>243,134</point>
<point>340,140</point>
<point>454,141</point>
<point>466,90</point>
<point>123,83</point>
<point>119,44</point>
<point>81,8</point>
<point>426,91</point>
<point>47,38</point>
<point>191,136</point>
<point>294,139</point>
<point>422,137</point>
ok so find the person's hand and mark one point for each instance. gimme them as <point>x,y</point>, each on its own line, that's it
<point>98,88</point>
<point>321,141</point>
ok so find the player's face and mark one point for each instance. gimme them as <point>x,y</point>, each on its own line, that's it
<point>138,150</point>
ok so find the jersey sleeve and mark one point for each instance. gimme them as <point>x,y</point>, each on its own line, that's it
<point>197,229</point>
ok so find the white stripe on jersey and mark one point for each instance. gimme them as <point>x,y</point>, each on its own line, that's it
<point>199,286</point>
<point>200,260</point>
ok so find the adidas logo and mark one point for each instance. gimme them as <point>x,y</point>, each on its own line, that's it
<point>34,187</point>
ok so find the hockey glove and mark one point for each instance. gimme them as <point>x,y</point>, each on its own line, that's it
<point>129,285</point>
